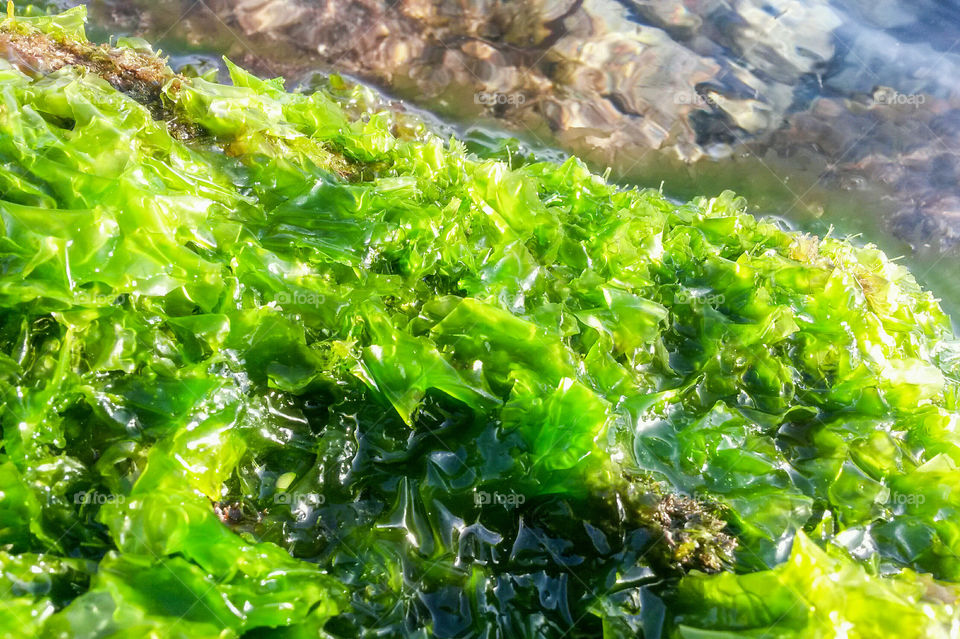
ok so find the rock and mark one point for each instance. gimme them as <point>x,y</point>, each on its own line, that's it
<point>637,84</point>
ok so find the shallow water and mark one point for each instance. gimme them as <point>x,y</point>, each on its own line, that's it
<point>838,114</point>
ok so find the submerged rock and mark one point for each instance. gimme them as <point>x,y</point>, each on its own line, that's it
<point>903,153</point>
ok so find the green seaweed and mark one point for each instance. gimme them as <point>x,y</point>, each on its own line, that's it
<point>313,371</point>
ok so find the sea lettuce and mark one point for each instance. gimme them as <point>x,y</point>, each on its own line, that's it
<point>290,364</point>
<point>814,595</point>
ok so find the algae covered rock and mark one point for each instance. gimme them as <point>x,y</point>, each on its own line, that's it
<point>289,364</point>
<point>689,92</point>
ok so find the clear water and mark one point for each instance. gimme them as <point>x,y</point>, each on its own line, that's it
<point>884,173</point>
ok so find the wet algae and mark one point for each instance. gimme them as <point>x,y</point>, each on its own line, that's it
<point>290,365</point>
